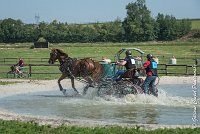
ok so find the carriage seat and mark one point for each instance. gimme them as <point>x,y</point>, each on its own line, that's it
<point>131,73</point>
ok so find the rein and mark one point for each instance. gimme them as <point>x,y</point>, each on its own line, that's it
<point>69,62</point>
<point>158,81</point>
<point>67,66</point>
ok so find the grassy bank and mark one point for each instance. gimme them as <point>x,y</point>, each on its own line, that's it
<point>7,82</point>
<point>184,52</point>
<point>196,24</point>
<point>13,127</point>
<point>97,50</point>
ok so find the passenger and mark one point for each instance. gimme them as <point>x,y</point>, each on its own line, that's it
<point>19,66</point>
<point>128,62</point>
<point>151,71</point>
<point>106,60</point>
<point>155,59</point>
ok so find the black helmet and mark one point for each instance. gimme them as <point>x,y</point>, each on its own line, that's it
<point>128,52</point>
<point>149,56</point>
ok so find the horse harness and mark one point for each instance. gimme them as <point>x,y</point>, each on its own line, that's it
<point>91,67</point>
<point>66,67</point>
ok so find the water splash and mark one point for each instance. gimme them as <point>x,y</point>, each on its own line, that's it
<point>163,99</point>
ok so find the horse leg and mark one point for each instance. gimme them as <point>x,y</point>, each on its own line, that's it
<point>86,88</point>
<point>73,85</point>
<point>90,84</point>
<point>61,78</point>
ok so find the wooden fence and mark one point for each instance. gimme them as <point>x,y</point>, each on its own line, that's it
<point>27,60</point>
<point>178,69</point>
<point>164,69</point>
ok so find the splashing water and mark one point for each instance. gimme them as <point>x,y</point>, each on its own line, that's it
<point>173,105</point>
<point>163,98</point>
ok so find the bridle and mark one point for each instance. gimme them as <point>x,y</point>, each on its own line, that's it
<point>54,55</point>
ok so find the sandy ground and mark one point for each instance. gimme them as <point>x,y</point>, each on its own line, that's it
<point>45,85</point>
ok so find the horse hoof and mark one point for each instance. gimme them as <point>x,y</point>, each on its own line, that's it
<point>64,91</point>
<point>84,93</point>
<point>91,86</point>
<point>76,91</point>
<point>78,94</point>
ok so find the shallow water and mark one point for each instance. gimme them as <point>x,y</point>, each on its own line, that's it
<point>174,106</point>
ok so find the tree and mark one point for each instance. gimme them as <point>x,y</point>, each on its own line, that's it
<point>169,28</point>
<point>114,31</point>
<point>12,30</point>
<point>1,35</point>
<point>138,25</point>
<point>185,27</point>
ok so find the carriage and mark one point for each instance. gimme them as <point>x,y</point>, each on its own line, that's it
<point>99,74</point>
<point>131,83</point>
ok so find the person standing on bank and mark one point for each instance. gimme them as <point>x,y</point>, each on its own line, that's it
<point>151,71</point>
<point>128,62</point>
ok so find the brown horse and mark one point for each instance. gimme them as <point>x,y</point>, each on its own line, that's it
<point>89,70</point>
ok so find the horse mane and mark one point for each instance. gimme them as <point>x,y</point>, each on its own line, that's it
<point>61,52</point>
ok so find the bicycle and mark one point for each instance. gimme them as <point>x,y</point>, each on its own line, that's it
<point>18,73</point>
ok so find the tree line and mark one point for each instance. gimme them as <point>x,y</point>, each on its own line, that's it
<point>137,26</point>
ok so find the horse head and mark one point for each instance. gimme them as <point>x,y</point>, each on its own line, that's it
<point>57,54</point>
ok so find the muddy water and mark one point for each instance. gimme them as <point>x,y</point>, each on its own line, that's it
<point>174,106</point>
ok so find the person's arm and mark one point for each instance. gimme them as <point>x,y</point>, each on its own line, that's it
<point>122,63</point>
<point>146,64</point>
<point>21,63</point>
<point>17,64</point>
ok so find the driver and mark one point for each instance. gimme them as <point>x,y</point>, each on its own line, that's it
<point>128,62</point>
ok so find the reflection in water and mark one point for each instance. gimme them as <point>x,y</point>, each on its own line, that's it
<point>150,115</point>
<point>166,109</point>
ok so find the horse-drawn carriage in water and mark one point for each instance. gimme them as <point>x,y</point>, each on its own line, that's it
<point>99,74</point>
<point>130,81</point>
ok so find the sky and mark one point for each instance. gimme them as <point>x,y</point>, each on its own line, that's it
<point>88,11</point>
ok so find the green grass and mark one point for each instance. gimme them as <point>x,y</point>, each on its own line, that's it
<point>97,50</point>
<point>7,82</point>
<point>16,127</point>
<point>164,51</point>
<point>195,24</point>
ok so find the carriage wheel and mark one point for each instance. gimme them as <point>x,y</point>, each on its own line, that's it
<point>154,93</point>
<point>119,89</point>
<point>105,88</point>
<point>128,87</point>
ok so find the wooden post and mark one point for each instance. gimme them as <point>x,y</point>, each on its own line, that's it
<point>30,70</point>
<point>186,70</point>
<point>166,69</point>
